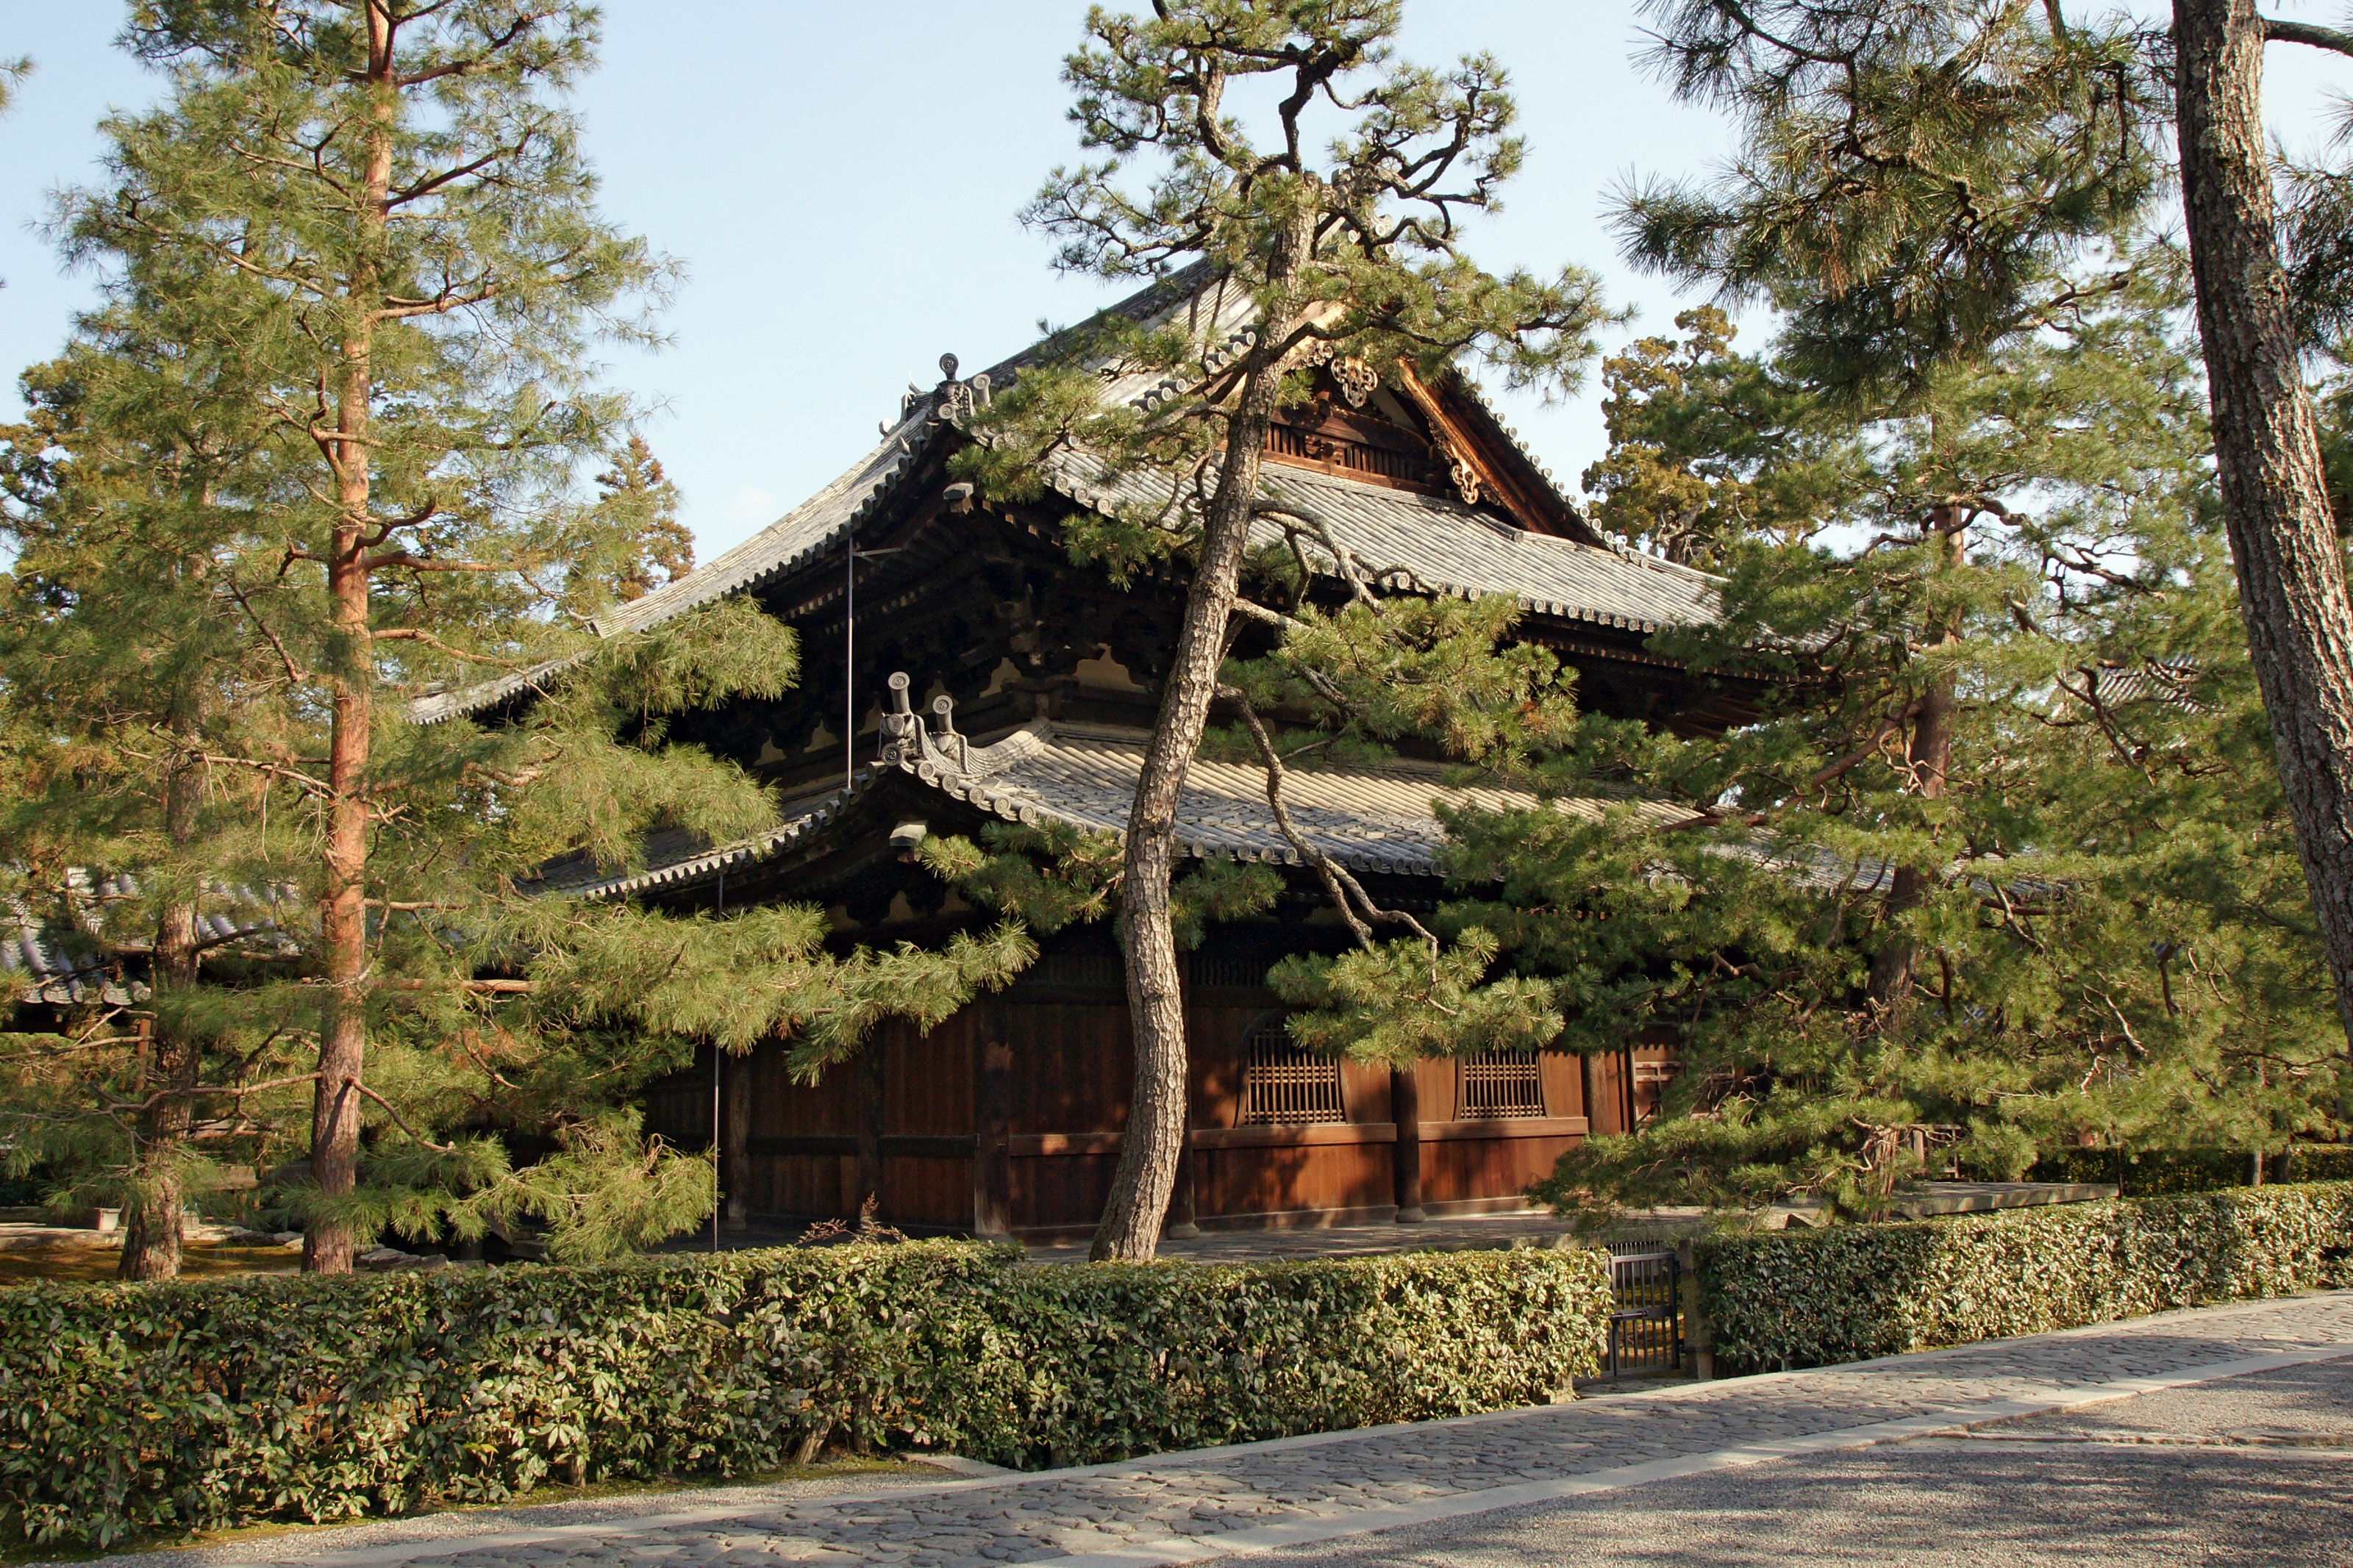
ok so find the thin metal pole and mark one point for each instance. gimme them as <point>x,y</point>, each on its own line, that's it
<point>850,666</point>
<point>718,1149</point>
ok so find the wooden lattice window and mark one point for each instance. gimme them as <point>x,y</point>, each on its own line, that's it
<point>1501,1083</point>
<point>1283,1085</point>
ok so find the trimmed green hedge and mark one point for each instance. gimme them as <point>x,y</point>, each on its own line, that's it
<point>1809,1298</point>
<point>128,1410</point>
<point>2154,1171</point>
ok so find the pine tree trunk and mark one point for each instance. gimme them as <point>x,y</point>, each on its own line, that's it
<point>1154,1137</point>
<point>2291,566</point>
<point>328,1243</point>
<point>155,1221</point>
<point>1928,758</point>
<point>343,1041</point>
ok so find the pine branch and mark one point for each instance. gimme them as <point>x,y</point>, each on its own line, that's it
<point>2277,31</point>
<point>1338,882</point>
<point>488,59</point>
<point>412,634</point>
<point>393,1111</point>
<point>405,561</point>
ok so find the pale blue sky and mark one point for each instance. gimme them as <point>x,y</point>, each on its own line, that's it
<point>841,182</point>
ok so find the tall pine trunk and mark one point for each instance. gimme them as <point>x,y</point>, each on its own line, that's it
<point>1928,760</point>
<point>1154,1138</point>
<point>153,1221</point>
<point>2290,565</point>
<point>328,1244</point>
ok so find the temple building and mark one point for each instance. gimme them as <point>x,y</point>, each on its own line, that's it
<point>959,668</point>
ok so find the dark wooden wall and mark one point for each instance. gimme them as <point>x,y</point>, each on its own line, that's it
<point>803,1154</point>
<point>1006,1119</point>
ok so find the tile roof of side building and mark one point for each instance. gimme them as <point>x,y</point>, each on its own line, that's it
<point>59,962</point>
<point>1430,543</point>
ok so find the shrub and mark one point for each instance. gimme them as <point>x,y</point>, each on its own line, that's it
<point>1809,1298</point>
<point>2152,1171</point>
<point>127,1410</point>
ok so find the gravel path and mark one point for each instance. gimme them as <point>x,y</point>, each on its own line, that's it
<point>1264,1497</point>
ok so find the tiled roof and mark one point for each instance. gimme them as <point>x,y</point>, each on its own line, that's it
<point>1406,540</point>
<point>1435,543</point>
<point>809,530</point>
<point>62,964</point>
<point>473,699</point>
<point>677,859</point>
<point>1371,819</point>
<point>2173,682</point>
<point>56,968</point>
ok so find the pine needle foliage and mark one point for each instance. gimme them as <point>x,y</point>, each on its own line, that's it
<point>1917,181</point>
<point>2081,919</point>
<point>1924,185</point>
<point>313,459</point>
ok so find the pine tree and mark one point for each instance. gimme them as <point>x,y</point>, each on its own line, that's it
<point>361,234</point>
<point>111,538</point>
<point>638,507</point>
<point>2104,938</point>
<point>1918,182</point>
<point>1359,259</point>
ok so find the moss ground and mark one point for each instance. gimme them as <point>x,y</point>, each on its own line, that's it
<point>197,1261</point>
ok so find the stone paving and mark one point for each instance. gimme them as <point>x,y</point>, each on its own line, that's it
<point>1526,1227</point>
<point>1519,1227</point>
<point>1177,1506</point>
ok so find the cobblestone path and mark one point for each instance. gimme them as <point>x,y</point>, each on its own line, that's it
<point>1213,1502</point>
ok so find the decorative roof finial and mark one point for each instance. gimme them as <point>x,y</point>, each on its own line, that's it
<point>945,705</point>
<point>954,400</point>
<point>902,727</point>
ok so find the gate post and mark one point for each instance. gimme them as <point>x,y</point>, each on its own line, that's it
<point>1405,1155</point>
<point>1696,1329</point>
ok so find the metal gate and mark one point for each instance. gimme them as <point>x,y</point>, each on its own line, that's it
<point>1646,1320</point>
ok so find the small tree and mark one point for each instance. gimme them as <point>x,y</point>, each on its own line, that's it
<point>1708,448</point>
<point>636,510</point>
<point>1359,257</point>
<point>119,664</point>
